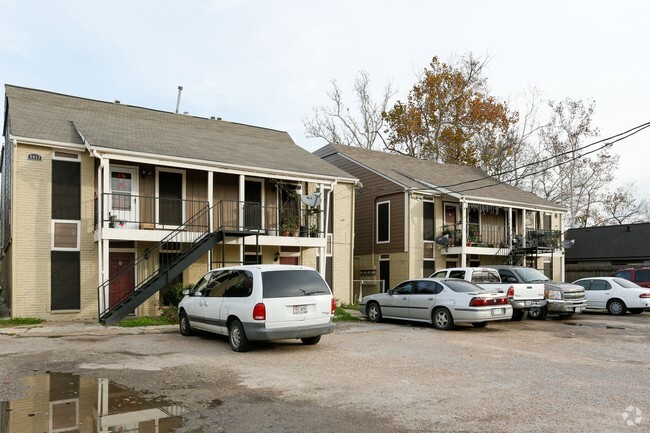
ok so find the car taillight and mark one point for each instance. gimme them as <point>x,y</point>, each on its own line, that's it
<point>259,312</point>
<point>644,295</point>
<point>333,306</point>
<point>483,302</point>
<point>511,292</point>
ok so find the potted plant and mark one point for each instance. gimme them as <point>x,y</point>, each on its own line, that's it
<point>289,224</point>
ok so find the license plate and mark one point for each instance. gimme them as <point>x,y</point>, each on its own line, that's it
<point>532,303</point>
<point>577,309</point>
<point>299,309</point>
<point>498,311</point>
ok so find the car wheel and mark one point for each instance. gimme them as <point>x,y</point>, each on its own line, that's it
<point>479,324</point>
<point>237,337</point>
<point>636,310</point>
<point>374,312</point>
<point>616,307</point>
<point>442,319</point>
<point>310,341</point>
<point>538,313</point>
<point>184,323</point>
<point>517,315</point>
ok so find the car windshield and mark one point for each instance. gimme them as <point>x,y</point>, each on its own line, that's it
<point>462,286</point>
<point>287,284</point>
<point>530,275</point>
<point>626,284</point>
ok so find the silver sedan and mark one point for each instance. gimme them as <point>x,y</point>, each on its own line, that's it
<point>443,302</point>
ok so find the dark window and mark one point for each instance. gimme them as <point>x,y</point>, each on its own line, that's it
<point>600,285</point>
<point>65,280</point>
<point>439,274</point>
<point>485,276</point>
<point>461,286</point>
<point>624,274</point>
<point>427,288</point>
<point>66,190</point>
<point>428,267</point>
<point>286,284</point>
<point>238,285</point>
<point>428,221</point>
<point>405,288</point>
<point>584,283</point>
<point>457,274</point>
<point>383,222</point>
<point>642,275</point>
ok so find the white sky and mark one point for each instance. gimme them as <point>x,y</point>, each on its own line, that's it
<point>268,63</point>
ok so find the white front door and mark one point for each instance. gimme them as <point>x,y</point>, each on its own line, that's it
<point>123,207</point>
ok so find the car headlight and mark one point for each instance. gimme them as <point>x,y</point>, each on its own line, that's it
<point>554,294</point>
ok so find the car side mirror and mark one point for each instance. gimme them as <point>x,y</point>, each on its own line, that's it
<point>390,292</point>
<point>185,292</point>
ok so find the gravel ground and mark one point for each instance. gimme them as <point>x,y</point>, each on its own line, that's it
<point>579,374</point>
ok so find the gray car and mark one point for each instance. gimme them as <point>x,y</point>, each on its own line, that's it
<point>443,302</point>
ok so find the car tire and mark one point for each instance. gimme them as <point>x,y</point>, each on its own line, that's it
<point>310,341</point>
<point>373,311</point>
<point>635,310</point>
<point>479,324</point>
<point>517,315</point>
<point>442,319</point>
<point>537,313</point>
<point>184,324</point>
<point>616,307</point>
<point>237,337</point>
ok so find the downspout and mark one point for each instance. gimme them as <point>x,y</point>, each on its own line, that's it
<point>328,197</point>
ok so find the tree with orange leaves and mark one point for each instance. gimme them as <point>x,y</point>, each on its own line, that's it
<point>450,117</point>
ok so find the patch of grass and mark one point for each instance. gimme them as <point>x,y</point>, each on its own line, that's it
<point>19,321</point>
<point>146,321</point>
<point>340,315</point>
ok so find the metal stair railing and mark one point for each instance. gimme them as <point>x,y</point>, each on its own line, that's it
<point>191,233</point>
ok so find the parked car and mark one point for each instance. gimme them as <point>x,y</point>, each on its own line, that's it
<point>617,295</point>
<point>523,295</point>
<point>562,299</point>
<point>640,276</point>
<point>259,302</point>
<point>442,302</point>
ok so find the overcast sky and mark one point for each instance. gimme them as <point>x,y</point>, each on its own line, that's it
<point>269,63</point>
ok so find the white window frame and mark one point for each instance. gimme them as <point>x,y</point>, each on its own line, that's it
<point>78,224</point>
<point>387,202</point>
<point>73,156</point>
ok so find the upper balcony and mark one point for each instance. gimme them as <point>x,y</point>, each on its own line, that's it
<point>135,217</point>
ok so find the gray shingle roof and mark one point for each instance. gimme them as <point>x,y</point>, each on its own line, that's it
<point>470,182</point>
<point>629,241</point>
<point>38,114</point>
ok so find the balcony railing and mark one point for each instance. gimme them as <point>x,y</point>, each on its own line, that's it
<point>496,236</point>
<point>145,213</point>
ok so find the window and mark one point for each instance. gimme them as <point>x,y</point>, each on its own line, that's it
<point>428,228</point>
<point>383,222</point>
<point>457,274</point>
<point>642,275</point>
<point>66,190</point>
<point>599,285</point>
<point>238,285</point>
<point>287,284</point>
<point>439,274</point>
<point>65,235</point>
<point>405,288</point>
<point>428,266</point>
<point>624,274</point>
<point>65,280</point>
<point>428,288</point>
<point>171,194</point>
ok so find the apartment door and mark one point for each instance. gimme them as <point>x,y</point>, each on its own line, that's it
<point>124,284</point>
<point>384,273</point>
<point>252,205</point>
<point>123,207</point>
<point>170,198</point>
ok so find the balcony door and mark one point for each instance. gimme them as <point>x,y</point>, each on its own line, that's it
<point>170,190</point>
<point>252,204</point>
<point>123,207</point>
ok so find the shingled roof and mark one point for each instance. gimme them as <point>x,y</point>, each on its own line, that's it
<point>620,242</point>
<point>469,182</point>
<point>42,115</point>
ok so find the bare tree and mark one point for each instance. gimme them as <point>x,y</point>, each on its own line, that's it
<point>622,206</point>
<point>337,124</point>
<point>574,175</point>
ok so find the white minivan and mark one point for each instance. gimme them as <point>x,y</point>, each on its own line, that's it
<point>259,303</point>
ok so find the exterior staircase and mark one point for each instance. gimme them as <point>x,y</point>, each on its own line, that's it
<point>194,239</point>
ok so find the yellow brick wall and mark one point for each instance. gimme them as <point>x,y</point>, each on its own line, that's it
<point>32,230</point>
<point>342,242</point>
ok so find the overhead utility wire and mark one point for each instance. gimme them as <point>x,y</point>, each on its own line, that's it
<point>636,130</point>
<point>497,182</point>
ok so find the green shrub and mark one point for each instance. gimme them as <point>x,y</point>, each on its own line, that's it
<point>172,294</point>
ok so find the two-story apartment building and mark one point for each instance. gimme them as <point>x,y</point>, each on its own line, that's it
<point>104,204</point>
<point>415,216</point>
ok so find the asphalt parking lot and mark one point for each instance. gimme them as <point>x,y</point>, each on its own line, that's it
<point>589,373</point>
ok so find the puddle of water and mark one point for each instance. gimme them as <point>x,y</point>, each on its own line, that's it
<point>62,402</point>
<point>593,325</point>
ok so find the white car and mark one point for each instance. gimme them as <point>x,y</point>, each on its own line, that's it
<point>443,302</point>
<point>259,302</point>
<point>617,295</point>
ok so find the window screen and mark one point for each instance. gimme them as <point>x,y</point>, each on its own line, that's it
<point>383,222</point>
<point>65,280</point>
<point>66,190</point>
